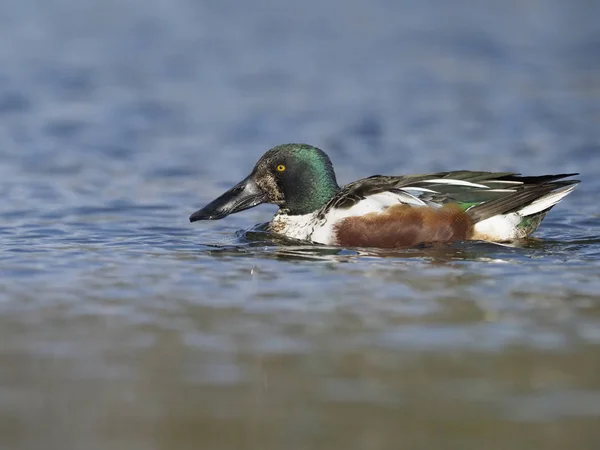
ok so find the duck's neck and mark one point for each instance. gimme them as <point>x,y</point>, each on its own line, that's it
<point>309,198</point>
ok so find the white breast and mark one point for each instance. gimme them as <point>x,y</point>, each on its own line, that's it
<point>296,227</point>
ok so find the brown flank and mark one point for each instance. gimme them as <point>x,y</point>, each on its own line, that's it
<point>405,226</point>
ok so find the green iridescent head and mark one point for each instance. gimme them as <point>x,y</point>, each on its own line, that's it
<point>299,178</point>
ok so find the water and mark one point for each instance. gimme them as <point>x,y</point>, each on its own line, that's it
<point>123,326</point>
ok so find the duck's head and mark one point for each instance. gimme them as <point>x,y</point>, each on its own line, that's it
<point>299,178</point>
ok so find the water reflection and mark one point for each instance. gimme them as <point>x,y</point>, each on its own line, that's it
<point>257,242</point>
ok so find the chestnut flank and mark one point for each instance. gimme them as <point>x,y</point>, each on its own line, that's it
<point>404,226</point>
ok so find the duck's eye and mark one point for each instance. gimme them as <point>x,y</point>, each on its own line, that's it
<point>280,168</point>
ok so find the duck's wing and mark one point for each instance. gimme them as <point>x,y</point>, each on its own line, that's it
<point>483,194</point>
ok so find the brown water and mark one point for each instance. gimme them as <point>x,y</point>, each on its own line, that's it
<point>122,326</point>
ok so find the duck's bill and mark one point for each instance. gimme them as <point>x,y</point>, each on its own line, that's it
<point>244,195</point>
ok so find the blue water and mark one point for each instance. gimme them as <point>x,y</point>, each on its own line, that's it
<point>123,326</point>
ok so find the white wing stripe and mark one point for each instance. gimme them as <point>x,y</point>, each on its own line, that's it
<point>405,197</point>
<point>419,189</point>
<point>455,182</point>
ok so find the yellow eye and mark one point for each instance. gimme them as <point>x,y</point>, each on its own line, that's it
<point>280,168</point>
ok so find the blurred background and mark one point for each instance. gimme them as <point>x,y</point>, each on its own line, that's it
<point>122,326</point>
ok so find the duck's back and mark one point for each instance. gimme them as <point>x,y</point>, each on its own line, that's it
<point>384,211</point>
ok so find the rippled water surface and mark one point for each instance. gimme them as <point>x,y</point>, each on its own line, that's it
<point>123,326</point>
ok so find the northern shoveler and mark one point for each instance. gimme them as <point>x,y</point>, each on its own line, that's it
<point>389,211</point>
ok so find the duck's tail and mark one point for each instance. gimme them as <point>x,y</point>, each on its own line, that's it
<point>518,215</point>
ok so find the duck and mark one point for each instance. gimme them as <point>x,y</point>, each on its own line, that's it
<point>389,211</point>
